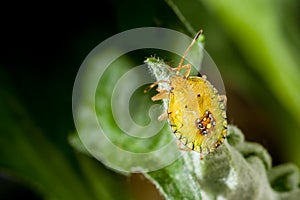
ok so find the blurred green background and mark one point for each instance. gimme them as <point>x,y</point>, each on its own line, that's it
<point>255,44</point>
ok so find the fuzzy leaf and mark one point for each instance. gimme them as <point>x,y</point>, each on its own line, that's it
<point>236,170</point>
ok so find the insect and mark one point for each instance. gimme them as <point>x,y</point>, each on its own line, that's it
<point>196,111</point>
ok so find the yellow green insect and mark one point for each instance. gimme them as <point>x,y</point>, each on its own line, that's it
<point>196,111</point>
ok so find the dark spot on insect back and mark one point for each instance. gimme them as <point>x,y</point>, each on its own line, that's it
<point>205,123</point>
<point>198,95</point>
<point>185,106</point>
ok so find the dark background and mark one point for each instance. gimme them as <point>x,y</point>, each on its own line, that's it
<point>43,46</point>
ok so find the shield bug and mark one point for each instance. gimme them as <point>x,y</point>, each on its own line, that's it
<point>196,111</point>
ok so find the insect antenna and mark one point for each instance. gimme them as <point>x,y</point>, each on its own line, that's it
<point>189,47</point>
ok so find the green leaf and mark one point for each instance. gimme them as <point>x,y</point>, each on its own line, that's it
<point>237,170</point>
<point>227,174</point>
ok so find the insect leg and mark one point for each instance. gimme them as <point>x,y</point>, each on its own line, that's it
<point>155,84</point>
<point>163,116</point>
<point>163,94</point>
<point>182,147</point>
<point>187,68</point>
<point>189,47</point>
